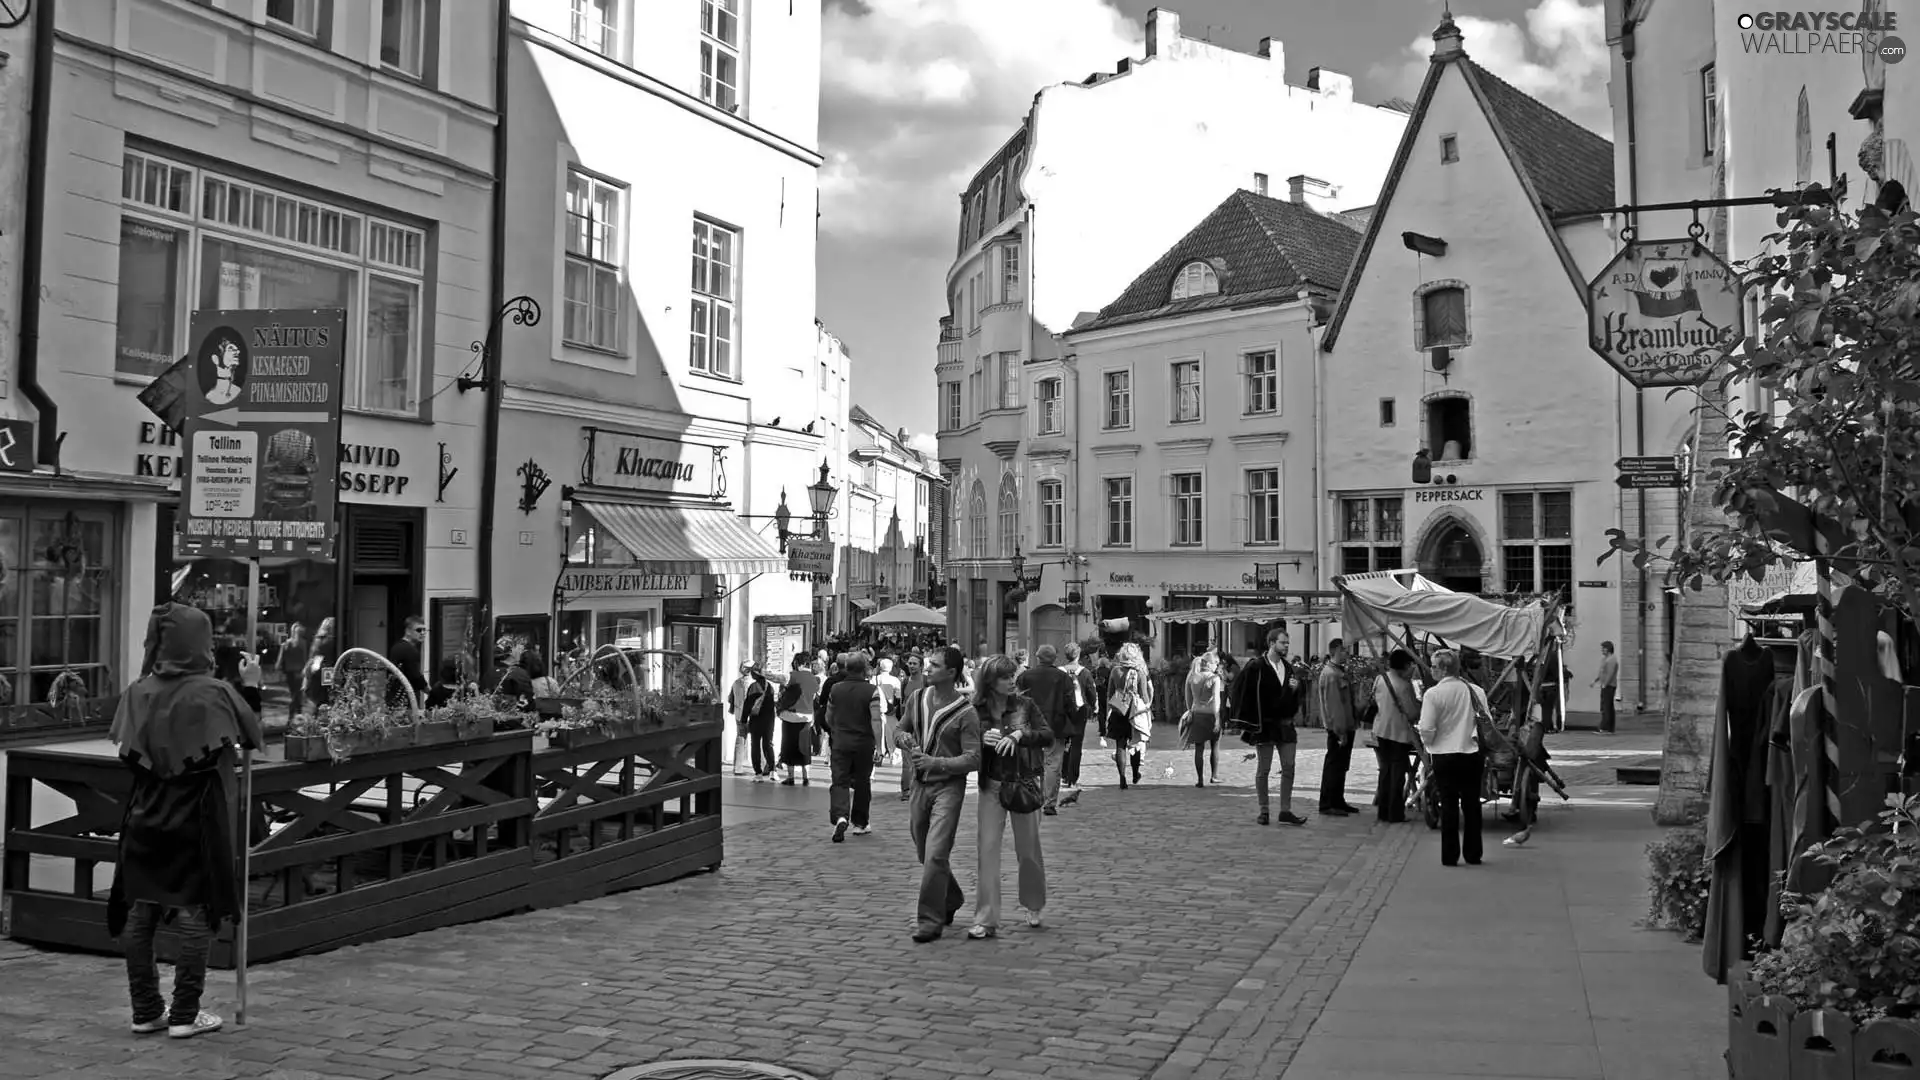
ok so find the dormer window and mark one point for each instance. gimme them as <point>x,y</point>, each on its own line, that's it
<point>1195,279</point>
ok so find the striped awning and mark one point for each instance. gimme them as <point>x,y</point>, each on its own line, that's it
<point>685,540</point>
<point>1296,612</point>
<point>862,603</point>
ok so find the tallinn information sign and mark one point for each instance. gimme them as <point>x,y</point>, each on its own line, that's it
<point>261,436</point>
<point>1664,312</point>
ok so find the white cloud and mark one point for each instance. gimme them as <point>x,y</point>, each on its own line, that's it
<point>1560,57</point>
<point>916,94</point>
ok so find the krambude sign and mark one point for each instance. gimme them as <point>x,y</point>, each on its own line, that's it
<point>1664,312</point>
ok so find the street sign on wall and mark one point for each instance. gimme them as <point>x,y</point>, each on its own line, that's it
<point>262,434</point>
<point>1650,472</point>
<point>1664,312</point>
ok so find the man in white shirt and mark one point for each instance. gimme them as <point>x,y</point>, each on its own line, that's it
<point>736,699</point>
<point>1609,683</point>
<point>889,685</point>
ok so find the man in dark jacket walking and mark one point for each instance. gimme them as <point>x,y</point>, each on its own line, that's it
<point>854,711</point>
<point>1052,692</point>
<point>1081,707</point>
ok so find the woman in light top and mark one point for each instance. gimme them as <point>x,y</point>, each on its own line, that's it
<point>1200,728</point>
<point>1447,716</point>
<point>1394,740</point>
<point>1129,719</point>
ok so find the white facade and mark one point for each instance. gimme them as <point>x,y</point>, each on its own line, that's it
<point>890,499</point>
<point>1102,174</point>
<point>206,155</point>
<point>603,232</point>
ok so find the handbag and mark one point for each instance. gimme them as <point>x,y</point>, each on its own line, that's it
<point>1488,734</point>
<point>1022,796</point>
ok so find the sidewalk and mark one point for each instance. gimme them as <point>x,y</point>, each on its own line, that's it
<point>1527,966</point>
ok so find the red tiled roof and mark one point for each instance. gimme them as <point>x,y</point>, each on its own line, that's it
<point>1571,167</point>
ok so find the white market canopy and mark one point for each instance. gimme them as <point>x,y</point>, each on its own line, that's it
<point>1303,611</point>
<point>905,615</point>
<point>1375,601</point>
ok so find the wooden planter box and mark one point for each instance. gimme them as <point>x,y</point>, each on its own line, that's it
<point>321,747</point>
<point>571,738</point>
<point>688,714</point>
<point>436,733</point>
<point>1768,1038</point>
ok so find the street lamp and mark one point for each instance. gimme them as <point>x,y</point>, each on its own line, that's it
<point>782,515</point>
<point>821,493</point>
<point>1019,561</point>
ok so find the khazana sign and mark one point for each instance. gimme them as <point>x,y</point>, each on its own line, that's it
<point>626,583</point>
<point>1664,312</point>
<point>814,557</point>
<point>262,434</point>
<point>643,463</point>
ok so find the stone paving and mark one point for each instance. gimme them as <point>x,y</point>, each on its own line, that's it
<point>1182,940</point>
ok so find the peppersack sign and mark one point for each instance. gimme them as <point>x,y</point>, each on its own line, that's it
<point>1664,312</point>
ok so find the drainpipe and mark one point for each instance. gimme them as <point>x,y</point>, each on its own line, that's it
<point>32,240</point>
<point>1639,396</point>
<point>1315,331</point>
<point>1026,272</point>
<point>495,375</point>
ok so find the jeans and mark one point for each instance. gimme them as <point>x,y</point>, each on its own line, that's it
<point>763,756</point>
<point>1264,765</point>
<point>296,695</point>
<point>1606,708</point>
<point>189,972</point>
<point>1333,772</point>
<point>1056,759</point>
<point>1396,769</point>
<point>851,796</point>
<point>933,818</point>
<point>1026,846</point>
<point>1070,762</point>
<point>1457,776</point>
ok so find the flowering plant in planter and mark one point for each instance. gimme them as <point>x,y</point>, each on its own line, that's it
<point>604,709</point>
<point>1855,947</point>
<point>1679,878</point>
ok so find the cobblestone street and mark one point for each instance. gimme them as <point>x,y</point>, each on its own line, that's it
<point>1181,940</point>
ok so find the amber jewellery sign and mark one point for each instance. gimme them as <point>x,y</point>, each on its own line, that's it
<point>644,463</point>
<point>1664,312</point>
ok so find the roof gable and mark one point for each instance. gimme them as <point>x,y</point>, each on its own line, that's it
<point>1561,165</point>
<point>1263,250</point>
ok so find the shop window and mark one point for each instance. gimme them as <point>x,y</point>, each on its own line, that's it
<point>1537,541</point>
<point>1450,429</point>
<point>453,633</point>
<point>1370,534</point>
<point>56,593</point>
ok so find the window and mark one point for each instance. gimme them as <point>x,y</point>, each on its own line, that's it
<point>403,36</point>
<point>1009,517</point>
<point>1046,394</point>
<point>1263,506</point>
<point>995,209</point>
<point>977,521</point>
<point>1259,183</point>
<point>1449,149</point>
<point>1053,513</point>
<point>1189,509</point>
<point>716,250</point>
<point>1119,511</point>
<point>1119,400</point>
<point>241,245</point>
<point>1450,429</point>
<point>1010,290</point>
<point>1186,391</point>
<point>1009,380</point>
<point>1386,412</point>
<point>1263,382</point>
<point>1443,317</point>
<point>591,303</point>
<point>1709,112</point>
<point>1537,540</point>
<point>720,54</point>
<point>950,405</point>
<point>300,16</point>
<point>55,612</point>
<point>1370,535</point>
<point>973,304</point>
<point>596,25</point>
<point>1194,279</point>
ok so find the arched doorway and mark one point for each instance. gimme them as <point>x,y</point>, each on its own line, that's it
<point>1050,626</point>
<point>1453,559</point>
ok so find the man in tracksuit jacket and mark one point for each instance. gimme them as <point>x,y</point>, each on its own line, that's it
<point>941,743</point>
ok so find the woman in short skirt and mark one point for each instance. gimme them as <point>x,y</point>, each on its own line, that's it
<point>1200,727</point>
<point>1129,719</point>
<point>796,719</point>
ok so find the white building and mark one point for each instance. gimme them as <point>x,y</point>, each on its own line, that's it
<point>890,508</point>
<point>1174,446</point>
<point>1102,173</point>
<point>246,154</point>
<point>671,394</point>
<point>1478,356</point>
<point>833,365</point>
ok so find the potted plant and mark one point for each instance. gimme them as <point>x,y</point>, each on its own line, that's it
<point>460,720</point>
<point>363,714</point>
<point>603,715</point>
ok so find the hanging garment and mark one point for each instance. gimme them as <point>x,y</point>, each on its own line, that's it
<point>1737,811</point>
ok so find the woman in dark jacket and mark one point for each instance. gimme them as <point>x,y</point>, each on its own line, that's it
<point>178,730</point>
<point>1013,747</point>
<point>325,651</point>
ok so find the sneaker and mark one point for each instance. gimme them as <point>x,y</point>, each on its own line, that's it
<point>840,830</point>
<point>202,1024</point>
<point>1288,817</point>
<point>978,932</point>
<point>862,830</point>
<point>1033,920</point>
<point>149,1027</point>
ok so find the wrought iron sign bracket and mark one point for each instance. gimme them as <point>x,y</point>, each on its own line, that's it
<point>446,474</point>
<point>534,483</point>
<point>524,311</point>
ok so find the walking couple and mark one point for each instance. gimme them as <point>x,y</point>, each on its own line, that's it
<point>946,735</point>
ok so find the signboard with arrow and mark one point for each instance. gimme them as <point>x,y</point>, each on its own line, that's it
<point>1650,472</point>
<point>262,434</point>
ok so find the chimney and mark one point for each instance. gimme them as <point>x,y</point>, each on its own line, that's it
<point>1265,52</point>
<point>1163,30</point>
<point>1125,65</point>
<point>1447,40</point>
<point>1330,83</point>
<point>1297,189</point>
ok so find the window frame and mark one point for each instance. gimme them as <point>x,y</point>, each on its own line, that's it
<point>1047,405</point>
<point>1277,526</point>
<point>318,10</point>
<point>426,12</point>
<point>102,676</point>
<point>1450,148</point>
<point>1373,540</point>
<point>1248,377</point>
<point>1188,525</point>
<point>1007,512</point>
<point>714,48</point>
<point>732,304</point>
<point>1709,111</point>
<point>952,407</point>
<point>1175,368</point>
<point>584,16</point>
<point>1115,526</point>
<point>1422,337</point>
<point>1010,290</point>
<point>1433,439</point>
<point>1186,282</point>
<point>1389,412</point>
<point>614,242</point>
<point>1108,396</point>
<point>977,524</point>
<point>1538,543</point>
<point>1052,498</point>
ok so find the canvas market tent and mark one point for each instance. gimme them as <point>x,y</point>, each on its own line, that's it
<point>1377,602</point>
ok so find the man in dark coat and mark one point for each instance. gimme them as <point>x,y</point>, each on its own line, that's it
<point>178,730</point>
<point>1266,700</point>
<point>854,711</point>
<point>1052,691</point>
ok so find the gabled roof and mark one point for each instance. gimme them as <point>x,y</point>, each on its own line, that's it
<point>1263,250</point>
<point>1561,165</point>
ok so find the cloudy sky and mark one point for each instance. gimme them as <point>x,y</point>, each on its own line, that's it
<point>916,93</point>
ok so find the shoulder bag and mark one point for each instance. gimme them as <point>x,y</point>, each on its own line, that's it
<point>1485,732</point>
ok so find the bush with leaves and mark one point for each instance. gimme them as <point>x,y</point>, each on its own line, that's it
<point>1855,947</point>
<point>1679,878</point>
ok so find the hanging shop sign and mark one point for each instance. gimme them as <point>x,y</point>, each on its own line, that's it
<point>262,434</point>
<point>810,557</point>
<point>366,469</point>
<point>16,446</point>
<point>1664,312</point>
<point>159,453</point>
<point>588,584</point>
<point>643,463</point>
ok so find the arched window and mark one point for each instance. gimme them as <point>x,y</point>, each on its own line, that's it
<point>1009,517</point>
<point>977,521</point>
<point>1195,279</point>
